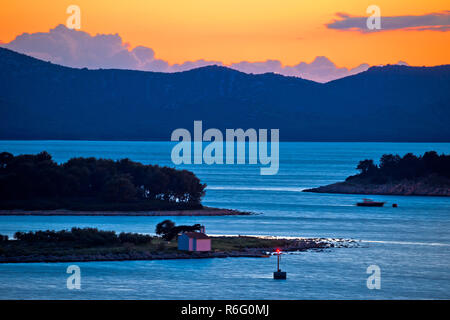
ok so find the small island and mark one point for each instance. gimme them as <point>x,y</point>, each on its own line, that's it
<point>90,244</point>
<point>426,175</point>
<point>37,185</point>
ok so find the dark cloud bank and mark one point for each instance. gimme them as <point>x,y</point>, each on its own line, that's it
<point>439,21</point>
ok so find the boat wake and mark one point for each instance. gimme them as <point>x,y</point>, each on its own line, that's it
<point>408,243</point>
<point>287,189</point>
<point>339,240</point>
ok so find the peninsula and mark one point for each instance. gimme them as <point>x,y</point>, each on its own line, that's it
<point>90,244</point>
<point>34,184</point>
<point>427,175</point>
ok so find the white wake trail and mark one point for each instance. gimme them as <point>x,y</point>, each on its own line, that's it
<point>408,243</point>
<point>288,189</point>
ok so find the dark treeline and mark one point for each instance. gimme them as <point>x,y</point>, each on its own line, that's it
<point>83,236</point>
<point>168,231</point>
<point>106,181</point>
<point>395,168</point>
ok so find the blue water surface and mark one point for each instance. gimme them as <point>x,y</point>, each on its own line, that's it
<point>410,244</point>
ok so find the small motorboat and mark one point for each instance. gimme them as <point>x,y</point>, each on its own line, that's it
<point>370,203</point>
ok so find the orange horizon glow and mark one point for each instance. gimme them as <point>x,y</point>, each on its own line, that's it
<point>232,31</point>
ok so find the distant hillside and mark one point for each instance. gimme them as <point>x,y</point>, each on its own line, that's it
<point>40,100</point>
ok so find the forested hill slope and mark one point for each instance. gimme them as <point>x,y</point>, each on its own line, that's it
<point>40,100</point>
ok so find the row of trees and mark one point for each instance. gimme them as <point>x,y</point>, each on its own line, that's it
<point>168,231</point>
<point>32,176</point>
<point>94,237</point>
<point>84,236</point>
<point>394,167</point>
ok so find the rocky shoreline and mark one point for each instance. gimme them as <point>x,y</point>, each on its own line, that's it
<point>404,188</point>
<point>294,246</point>
<point>62,212</point>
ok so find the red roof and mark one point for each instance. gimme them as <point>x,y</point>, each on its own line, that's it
<point>196,235</point>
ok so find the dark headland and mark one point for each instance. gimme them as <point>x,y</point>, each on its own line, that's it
<point>427,175</point>
<point>35,184</point>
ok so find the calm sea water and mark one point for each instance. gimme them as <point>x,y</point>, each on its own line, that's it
<point>410,244</point>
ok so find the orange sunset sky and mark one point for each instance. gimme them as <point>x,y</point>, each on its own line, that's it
<point>237,30</point>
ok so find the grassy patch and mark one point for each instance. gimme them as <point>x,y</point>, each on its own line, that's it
<point>239,243</point>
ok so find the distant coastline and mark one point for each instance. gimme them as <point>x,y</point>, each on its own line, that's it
<point>400,114</point>
<point>427,175</point>
<point>205,211</point>
<point>403,188</point>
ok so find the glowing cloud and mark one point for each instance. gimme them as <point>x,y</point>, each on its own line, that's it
<point>79,49</point>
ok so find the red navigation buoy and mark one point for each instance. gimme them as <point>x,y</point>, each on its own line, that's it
<point>279,275</point>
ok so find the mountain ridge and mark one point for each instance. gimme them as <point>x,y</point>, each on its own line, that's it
<point>42,100</point>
